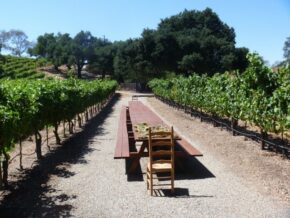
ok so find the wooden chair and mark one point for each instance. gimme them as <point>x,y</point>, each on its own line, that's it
<point>161,158</point>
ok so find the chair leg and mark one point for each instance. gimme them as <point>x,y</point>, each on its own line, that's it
<point>172,182</point>
<point>151,183</point>
<point>147,179</point>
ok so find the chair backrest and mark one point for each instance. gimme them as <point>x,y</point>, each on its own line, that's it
<point>161,147</point>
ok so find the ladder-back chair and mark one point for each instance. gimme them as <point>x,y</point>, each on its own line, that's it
<point>161,158</point>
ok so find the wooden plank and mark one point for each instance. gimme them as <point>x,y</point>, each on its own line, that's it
<point>118,147</point>
<point>122,144</point>
<point>125,142</point>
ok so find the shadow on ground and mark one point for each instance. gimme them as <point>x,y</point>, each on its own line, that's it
<point>178,193</point>
<point>32,196</point>
<point>188,169</point>
<point>192,169</point>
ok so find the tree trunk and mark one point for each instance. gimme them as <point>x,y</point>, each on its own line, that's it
<point>79,71</point>
<point>86,115</point>
<point>82,117</point>
<point>20,155</point>
<point>70,127</point>
<point>56,134</point>
<point>74,123</point>
<point>64,129</point>
<point>1,176</point>
<point>91,112</point>
<point>38,140</point>
<point>79,121</point>
<point>46,127</point>
<point>5,165</point>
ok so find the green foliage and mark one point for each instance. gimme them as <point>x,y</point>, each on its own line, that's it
<point>259,95</point>
<point>27,106</point>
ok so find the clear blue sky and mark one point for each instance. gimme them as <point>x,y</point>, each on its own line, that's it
<point>260,25</point>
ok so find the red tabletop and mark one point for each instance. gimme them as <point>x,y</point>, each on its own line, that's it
<point>140,113</point>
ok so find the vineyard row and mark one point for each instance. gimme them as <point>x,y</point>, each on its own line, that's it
<point>258,96</point>
<point>28,106</point>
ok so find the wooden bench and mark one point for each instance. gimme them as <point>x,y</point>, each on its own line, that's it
<point>188,149</point>
<point>122,144</point>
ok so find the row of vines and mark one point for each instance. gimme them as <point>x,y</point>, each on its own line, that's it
<point>28,106</point>
<point>258,96</point>
<point>20,67</point>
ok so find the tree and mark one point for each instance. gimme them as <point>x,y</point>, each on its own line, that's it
<point>64,41</point>
<point>45,46</point>
<point>4,37</point>
<point>102,61</point>
<point>204,43</point>
<point>286,49</point>
<point>240,60</point>
<point>56,48</point>
<point>82,50</point>
<point>125,59</point>
<point>191,41</point>
<point>2,60</point>
<point>18,42</point>
<point>62,51</point>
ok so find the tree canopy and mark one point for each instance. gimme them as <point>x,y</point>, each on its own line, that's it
<point>189,42</point>
<point>192,41</point>
<point>15,41</point>
<point>286,49</point>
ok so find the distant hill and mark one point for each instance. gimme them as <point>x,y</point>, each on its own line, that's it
<point>20,67</point>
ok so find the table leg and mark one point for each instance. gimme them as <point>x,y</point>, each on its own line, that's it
<point>136,159</point>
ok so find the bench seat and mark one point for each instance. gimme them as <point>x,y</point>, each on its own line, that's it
<point>188,148</point>
<point>122,144</point>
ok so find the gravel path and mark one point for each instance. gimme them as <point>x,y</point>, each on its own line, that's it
<point>91,183</point>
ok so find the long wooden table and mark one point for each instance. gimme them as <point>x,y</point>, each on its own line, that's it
<point>140,113</point>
